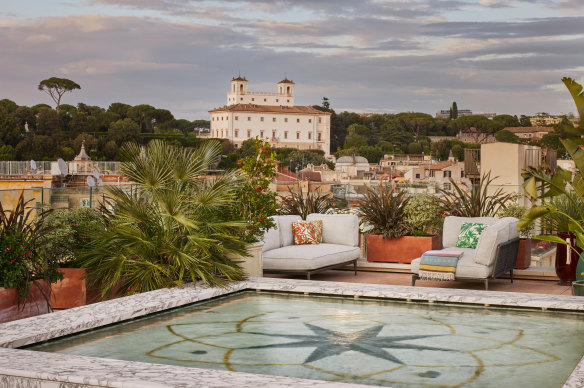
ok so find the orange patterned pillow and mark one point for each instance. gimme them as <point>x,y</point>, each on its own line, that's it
<point>304,233</point>
<point>317,224</point>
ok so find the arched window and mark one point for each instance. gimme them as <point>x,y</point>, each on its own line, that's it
<point>241,88</point>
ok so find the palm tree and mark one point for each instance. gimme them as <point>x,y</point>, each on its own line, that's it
<point>172,227</point>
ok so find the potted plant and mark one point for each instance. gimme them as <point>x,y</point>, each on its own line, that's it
<point>476,201</point>
<point>542,185</point>
<point>389,238</point>
<point>69,232</point>
<point>174,226</point>
<point>524,252</point>
<point>298,203</point>
<point>569,205</point>
<point>255,204</point>
<point>424,215</point>
<point>25,275</point>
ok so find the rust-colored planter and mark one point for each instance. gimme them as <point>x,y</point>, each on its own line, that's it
<point>35,303</point>
<point>524,254</point>
<point>71,291</point>
<point>399,250</point>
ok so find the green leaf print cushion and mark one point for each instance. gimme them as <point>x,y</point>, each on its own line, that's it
<point>469,235</point>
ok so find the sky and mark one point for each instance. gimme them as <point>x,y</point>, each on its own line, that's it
<point>500,56</point>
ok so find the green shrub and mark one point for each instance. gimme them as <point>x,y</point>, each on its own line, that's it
<point>69,231</point>
<point>424,214</point>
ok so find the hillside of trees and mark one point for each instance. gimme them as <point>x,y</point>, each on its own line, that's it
<point>43,133</point>
<point>376,135</point>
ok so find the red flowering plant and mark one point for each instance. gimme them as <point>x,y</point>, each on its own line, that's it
<point>20,247</point>
<point>14,256</point>
<point>255,203</point>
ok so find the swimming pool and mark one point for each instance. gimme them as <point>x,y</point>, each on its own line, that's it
<point>374,342</point>
<point>357,328</point>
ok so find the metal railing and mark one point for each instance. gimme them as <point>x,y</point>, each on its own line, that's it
<point>23,167</point>
<point>58,198</point>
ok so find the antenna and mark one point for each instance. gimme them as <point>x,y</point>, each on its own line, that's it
<point>33,165</point>
<point>90,181</point>
<point>63,167</point>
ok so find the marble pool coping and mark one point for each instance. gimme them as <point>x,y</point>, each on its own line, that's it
<point>36,369</point>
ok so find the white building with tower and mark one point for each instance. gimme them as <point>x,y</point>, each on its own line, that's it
<point>272,117</point>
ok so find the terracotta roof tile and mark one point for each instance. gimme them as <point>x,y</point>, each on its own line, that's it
<point>286,81</point>
<point>441,165</point>
<point>528,129</point>
<point>308,175</point>
<point>268,109</point>
<point>239,78</point>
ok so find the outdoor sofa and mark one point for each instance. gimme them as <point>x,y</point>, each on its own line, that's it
<point>339,246</point>
<point>494,255</point>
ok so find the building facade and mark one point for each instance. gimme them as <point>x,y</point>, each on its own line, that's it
<point>445,114</point>
<point>272,117</point>
<point>439,174</point>
<point>352,166</point>
<point>543,118</point>
<point>529,132</point>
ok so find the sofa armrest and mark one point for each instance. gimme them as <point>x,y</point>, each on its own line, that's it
<point>271,237</point>
<point>506,257</point>
<point>491,237</point>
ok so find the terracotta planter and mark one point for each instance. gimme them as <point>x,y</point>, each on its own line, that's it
<point>252,265</point>
<point>567,259</point>
<point>399,250</point>
<point>71,291</point>
<point>35,304</point>
<point>524,254</point>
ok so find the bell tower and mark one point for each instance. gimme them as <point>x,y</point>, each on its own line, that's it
<point>286,88</point>
<point>237,91</point>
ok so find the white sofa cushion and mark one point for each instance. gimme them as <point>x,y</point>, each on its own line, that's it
<point>452,226</point>
<point>490,238</point>
<point>272,237</point>
<point>338,228</point>
<point>285,228</point>
<point>466,268</point>
<point>308,257</point>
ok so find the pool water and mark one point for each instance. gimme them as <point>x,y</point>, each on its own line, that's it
<point>374,342</point>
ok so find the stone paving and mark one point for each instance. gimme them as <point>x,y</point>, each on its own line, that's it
<point>405,279</point>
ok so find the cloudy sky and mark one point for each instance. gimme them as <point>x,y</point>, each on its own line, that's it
<point>503,56</point>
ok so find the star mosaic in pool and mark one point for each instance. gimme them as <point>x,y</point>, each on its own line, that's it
<point>330,343</point>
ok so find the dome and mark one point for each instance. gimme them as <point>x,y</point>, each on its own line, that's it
<point>82,154</point>
<point>352,159</point>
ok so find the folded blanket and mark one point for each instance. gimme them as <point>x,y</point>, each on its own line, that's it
<point>439,265</point>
